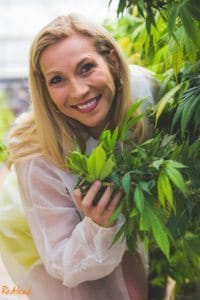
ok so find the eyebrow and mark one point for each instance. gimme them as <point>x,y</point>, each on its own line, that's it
<point>77,66</point>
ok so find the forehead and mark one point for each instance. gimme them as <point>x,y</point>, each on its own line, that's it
<point>73,48</point>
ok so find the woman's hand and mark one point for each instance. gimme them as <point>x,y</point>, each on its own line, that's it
<point>102,211</point>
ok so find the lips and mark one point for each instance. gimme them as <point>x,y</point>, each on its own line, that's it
<point>87,105</point>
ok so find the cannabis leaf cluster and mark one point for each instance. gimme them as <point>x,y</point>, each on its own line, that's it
<point>154,185</point>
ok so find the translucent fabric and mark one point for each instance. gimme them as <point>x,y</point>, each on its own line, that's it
<point>65,255</point>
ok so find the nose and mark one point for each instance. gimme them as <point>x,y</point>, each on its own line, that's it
<point>78,89</point>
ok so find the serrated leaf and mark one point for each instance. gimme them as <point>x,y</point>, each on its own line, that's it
<point>139,198</point>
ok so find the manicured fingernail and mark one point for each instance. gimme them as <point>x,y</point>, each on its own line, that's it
<point>97,183</point>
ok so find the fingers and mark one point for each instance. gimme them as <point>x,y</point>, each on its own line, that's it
<point>114,203</point>
<point>103,202</point>
<point>90,196</point>
<point>107,204</point>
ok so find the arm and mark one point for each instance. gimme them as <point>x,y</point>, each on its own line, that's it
<point>71,249</point>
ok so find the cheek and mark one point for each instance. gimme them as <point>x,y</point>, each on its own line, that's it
<point>56,95</point>
<point>104,81</point>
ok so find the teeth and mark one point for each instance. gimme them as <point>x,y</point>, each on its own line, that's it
<point>84,106</point>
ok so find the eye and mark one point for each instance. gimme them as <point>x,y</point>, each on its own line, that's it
<point>86,68</point>
<point>55,80</point>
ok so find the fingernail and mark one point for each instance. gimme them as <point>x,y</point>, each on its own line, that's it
<point>97,183</point>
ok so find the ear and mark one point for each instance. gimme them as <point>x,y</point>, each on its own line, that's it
<point>114,58</point>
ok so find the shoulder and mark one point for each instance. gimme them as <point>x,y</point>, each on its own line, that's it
<point>40,172</point>
<point>37,167</point>
<point>143,84</point>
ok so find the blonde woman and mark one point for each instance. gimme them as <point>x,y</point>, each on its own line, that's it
<point>79,83</point>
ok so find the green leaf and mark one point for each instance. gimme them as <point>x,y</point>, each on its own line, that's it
<point>157,163</point>
<point>161,193</point>
<point>147,185</point>
<point>77,162</point>
<point>121,7</point>
<point>134,213</point>
<point>127,125</point>
<point>114,137</point>
<point>187,112</point>
<point>176,164</point>
<point>176,177</point>
<point>194,8</point>
<point>139,198</point>
<point>144,222</point>
<point>164,100</point>
<point>126,183</point>
<point>108,167</point>
<point>159,233</point>
<point>174,11</point>
<point>96,163</point>
<point>109,139</point>
<point>165,190</point>
<point>133,108</point>
<point>177,59</point>
<point>130,120</point>
<point>189,25</point>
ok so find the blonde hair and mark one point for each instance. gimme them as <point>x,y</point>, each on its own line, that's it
<point>45,131</point>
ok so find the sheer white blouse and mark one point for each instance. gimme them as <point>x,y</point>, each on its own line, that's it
<point>76,260</point>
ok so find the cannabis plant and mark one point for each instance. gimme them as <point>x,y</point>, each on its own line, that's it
<point>160,203</point>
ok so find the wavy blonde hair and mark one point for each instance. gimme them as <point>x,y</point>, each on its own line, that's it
<point>45,131</point>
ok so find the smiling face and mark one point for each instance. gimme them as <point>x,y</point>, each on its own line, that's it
<point>79,81</point>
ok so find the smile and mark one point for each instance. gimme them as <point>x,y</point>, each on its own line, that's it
<point>88,105</point>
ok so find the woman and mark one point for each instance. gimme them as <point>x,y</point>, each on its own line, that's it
<point>79,84</point>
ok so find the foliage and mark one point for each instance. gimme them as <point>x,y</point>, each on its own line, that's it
<point>6,118</point>
<point>173,33</point>
<point>161,200</point>
<point>165,37</point>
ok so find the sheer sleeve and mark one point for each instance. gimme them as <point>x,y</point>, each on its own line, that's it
<point>72,249</point>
